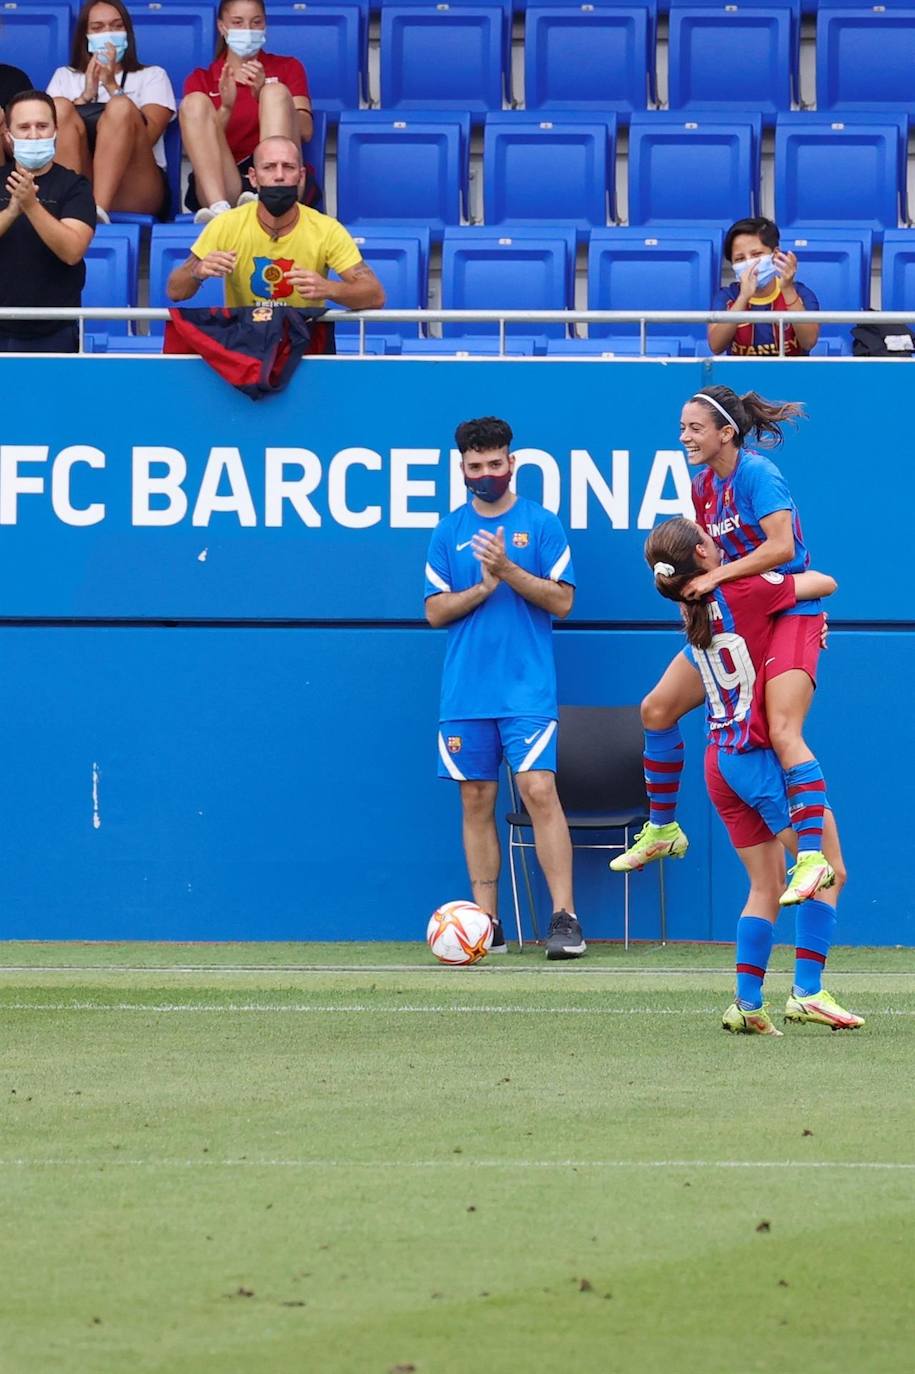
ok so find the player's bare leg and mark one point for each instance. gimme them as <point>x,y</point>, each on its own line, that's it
<point>554,854</point>
<point>482,850</point>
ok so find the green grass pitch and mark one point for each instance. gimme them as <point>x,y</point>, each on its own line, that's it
<point>276,1158</point>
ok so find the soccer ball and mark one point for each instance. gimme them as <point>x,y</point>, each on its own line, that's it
<point>459,933</point>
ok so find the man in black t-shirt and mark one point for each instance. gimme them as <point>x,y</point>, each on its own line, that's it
<point>47,220</point>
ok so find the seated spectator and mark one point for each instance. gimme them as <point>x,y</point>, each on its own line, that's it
<point>766,280</point>
<point>47,219</point>
<point>245,96</point>
<point>119,142</point>
<point>275,249</point>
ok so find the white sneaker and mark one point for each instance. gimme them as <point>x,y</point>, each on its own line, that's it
<point>102,215</point>
<point>246,198</point>
<point>209,212</point>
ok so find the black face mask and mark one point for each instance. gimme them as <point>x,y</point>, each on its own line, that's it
<point>277,200</point>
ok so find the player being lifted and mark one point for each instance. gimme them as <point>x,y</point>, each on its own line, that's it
<point>742,500</point>
<point>499,568</point>
<point>730,632</point>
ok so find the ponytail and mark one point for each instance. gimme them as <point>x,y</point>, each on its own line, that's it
<point>750,414</point>
<point>670,551</point>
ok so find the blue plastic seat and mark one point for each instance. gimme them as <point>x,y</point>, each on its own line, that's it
<point>169,247</point>
<point>505,8</point>
<point>865,58</point>
<point>476,346</point>
<point>588,57</point>
<point>832,172</point>
<point>282,17</point>
<point>112,260</point>
<point>555,168</point>
<point>36,37</point>
<point>703,42</point>
<point>699,167</point>
<point>616,347</point>
<point>443,57</point>
<point>490,269</point>
<point>178,37</point>
<point>837,267</point>
<point>409,168</point>
<point>631,269</point>
<point>400,260</point>
<point>315,150</point>
<point>898,276</point>
<point>329,42</point>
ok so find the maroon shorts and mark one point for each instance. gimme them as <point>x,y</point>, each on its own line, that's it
<point>795,643</point>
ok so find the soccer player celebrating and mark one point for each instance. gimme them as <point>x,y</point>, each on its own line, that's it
<point>499,568</point>
<point>742,500</point>
<point>730,633</point>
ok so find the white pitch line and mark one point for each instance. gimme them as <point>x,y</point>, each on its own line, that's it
<point>479,970</point>
<point>460,1162</point>
<point>260,1008</point>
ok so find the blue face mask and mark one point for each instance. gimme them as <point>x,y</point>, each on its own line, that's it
<point>98,43</point>
<point>766,270</point>
<point>488,488</point>
<point>246,42</point>
<point>34,152</point>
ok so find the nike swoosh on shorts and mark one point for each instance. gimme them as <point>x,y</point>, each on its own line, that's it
<point>530,739</point>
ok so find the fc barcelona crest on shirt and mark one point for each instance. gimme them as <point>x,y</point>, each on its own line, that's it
<point>454,744</point>
<point>521,539</point>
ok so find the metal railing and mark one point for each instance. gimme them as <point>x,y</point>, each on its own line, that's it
<point>643,318</point>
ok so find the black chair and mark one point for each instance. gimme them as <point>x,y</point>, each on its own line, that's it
<point>601,785</point>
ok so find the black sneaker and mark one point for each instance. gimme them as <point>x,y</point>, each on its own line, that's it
<point>498,945</point>
<point>564,940</point>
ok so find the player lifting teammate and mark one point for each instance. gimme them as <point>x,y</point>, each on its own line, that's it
<point>742,500</point>
<point>730,633</point>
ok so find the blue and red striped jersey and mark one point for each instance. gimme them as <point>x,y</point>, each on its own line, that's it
<point>732,508</point>
<point>741,613</point>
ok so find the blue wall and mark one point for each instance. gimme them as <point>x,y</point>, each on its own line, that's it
<point>246,780</point>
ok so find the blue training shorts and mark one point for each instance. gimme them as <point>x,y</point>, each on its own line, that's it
<point>472,750</point>
<point>749,793</point>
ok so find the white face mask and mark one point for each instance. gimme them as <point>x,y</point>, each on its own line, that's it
<point>34,152</point>
<point>245,42</point>
<point>766,270</point>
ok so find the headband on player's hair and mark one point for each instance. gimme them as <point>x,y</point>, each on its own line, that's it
<point>703,396</point>
<point>664,570</point>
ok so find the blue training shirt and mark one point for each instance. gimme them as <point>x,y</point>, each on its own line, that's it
<point>731,509</point>
<point>499,658</point>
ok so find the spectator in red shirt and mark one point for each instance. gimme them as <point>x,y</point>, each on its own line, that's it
<point>766,280</point>
<point>243,97</point>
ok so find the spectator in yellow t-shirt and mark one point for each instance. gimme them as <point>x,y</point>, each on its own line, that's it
<point>274,249</point>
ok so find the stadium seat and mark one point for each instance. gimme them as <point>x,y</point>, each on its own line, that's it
<point>400,259</point>
<point>169,246</point>
<point>898,276</point>
<point>178,37</point>
<point>686,169</point>
<point>832,172</point>
<point>615,347</point>
<point>443,57</point>
<point>865,58</point>
<point>477,346</point>
<point>629,269</point>
<point>111,279</point>
<point>837,267</point>
<point>703,41</point>
<point>411,169</point>
<point>555,169</point>
<point>505,7</point>
<point>588,57</point>
<point>315,151</point>
<point>282,20</point>
<point>36,37</point>
<point>489,269</point>
<point>329,42</point>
